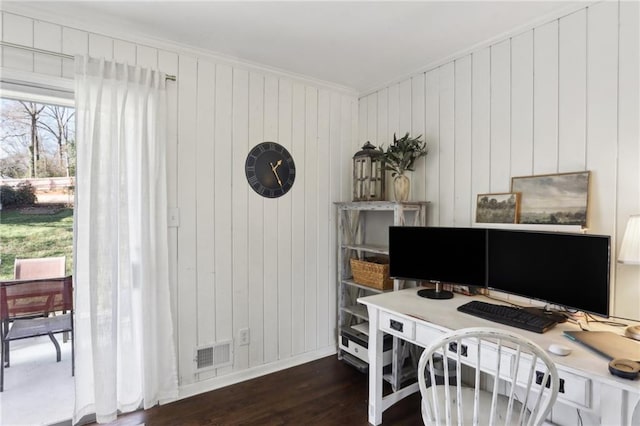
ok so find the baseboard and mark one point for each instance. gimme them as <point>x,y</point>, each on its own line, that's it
<point>251,373</point>
<point>63,423</point>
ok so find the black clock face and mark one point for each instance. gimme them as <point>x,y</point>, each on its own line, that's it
<point>270,169</point>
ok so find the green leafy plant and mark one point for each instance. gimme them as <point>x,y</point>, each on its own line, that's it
<point>22,195</point>
<point>402,154</point>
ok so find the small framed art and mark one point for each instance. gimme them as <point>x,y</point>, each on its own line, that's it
<point>498,208</point>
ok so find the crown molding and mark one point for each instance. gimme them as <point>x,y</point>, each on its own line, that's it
<point>29,10</point>
<point>544,19</point>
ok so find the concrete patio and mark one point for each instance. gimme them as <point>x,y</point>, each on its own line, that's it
<point>37,389</point>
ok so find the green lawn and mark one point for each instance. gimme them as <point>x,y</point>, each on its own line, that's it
<point>35,235</point>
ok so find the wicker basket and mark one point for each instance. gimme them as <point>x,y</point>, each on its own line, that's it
<point>372,272</point>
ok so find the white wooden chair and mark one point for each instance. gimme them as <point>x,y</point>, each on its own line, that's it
<point>510,392</point>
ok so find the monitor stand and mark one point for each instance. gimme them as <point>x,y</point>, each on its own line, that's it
<point>435,293</point>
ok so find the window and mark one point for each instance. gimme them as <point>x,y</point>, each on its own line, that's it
<point>37,169</point>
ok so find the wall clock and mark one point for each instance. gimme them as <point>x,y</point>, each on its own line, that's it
<point>270,169</point>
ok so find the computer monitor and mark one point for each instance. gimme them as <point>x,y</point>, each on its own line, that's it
<point>438,254</point>
<point>565,269</point>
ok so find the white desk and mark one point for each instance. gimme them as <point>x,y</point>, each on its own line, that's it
<point>588,385</point>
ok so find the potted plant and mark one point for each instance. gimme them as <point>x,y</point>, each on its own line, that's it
<point>399,158</point>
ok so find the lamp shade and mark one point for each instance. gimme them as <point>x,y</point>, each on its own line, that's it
<point>630,248</point>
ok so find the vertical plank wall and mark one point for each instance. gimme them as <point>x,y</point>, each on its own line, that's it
<point>560,97</point>
<point>237,260</point>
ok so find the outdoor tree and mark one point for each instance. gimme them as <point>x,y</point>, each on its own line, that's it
<point>36,140</point>
<point>32,114</point>
<point>57,121</point>
<point>14,141</point>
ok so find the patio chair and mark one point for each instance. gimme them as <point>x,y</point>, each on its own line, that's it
<point>26,304</point>
<point>41,267</point>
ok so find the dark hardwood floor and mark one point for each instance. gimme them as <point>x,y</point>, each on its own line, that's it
<point>322,392</point>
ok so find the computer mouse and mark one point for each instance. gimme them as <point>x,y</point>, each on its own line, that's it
<point>558,349</point>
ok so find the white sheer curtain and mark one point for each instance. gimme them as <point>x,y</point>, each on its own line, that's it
<point>125,354</point>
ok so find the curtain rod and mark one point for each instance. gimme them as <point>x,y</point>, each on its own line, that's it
<point>51,53</point>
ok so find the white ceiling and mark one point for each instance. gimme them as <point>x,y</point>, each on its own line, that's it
<point>361,45</point>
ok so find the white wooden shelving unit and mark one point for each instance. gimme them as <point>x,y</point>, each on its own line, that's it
<point>353,326</point>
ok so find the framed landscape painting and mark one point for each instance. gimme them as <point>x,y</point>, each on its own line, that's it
<point>559,199</point>
<point>498,208</point>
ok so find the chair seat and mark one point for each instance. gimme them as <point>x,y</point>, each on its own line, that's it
<point>484,404</point>
<point>24,328</point>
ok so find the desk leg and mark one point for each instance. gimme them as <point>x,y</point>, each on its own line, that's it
<point>618,407</point>
<point>375,368</point>
<point>635,414</point>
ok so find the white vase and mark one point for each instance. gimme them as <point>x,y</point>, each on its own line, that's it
<point>401,187</point>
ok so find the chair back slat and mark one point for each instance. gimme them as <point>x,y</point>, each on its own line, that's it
<point>435,414</point>
<point>32,297</point>
<point>539,397</point>
<point>447,394</point>
<point>530,377</point>
<point>512,383</point>
<point>477,386</point>
<point>494,391</point>
<point>458,383</point>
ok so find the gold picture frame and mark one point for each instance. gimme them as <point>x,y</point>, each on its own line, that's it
<point>558,199</point>
<point>503,207</point>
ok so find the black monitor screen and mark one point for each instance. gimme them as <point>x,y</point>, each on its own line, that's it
<point>559,268</point>
<point>447,255</point>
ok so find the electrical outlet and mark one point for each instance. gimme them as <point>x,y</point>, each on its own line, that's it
<point>243,336</point>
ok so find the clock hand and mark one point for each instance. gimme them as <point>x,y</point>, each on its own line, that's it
<point>273,169</point>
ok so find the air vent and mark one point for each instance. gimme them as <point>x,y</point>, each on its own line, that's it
<point>213,356</point>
